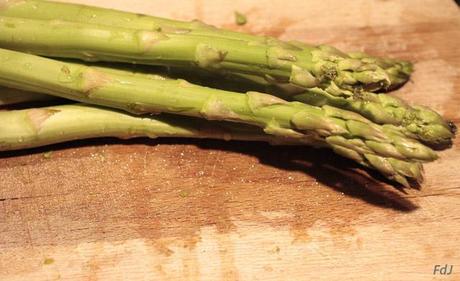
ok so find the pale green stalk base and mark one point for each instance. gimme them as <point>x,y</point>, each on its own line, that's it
<point>347,133</point>
<point>28,128</point>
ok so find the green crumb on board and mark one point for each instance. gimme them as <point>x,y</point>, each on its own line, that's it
<point>48,261</point>
<point>184,194</point>
<point>47,155</point>
<point>240,19</point>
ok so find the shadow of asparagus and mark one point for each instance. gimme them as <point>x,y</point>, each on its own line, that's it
<point>327,168</point>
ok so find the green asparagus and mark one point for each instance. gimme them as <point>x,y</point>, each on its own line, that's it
<point>415,121</point>
<point>369,70</point>
<point>27,128</point>
<point>36,127</point>
<point>108,43</point>
<point>97,42</point>
<point>347,133</point>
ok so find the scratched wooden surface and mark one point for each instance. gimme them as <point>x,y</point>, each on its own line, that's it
<point>211,210</point>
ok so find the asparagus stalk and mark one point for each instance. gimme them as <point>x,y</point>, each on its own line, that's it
<point>97,42</point>
<point>108,43</point>
<point>396,72</point>
<point>28,128</point>
<point>347,133</point>
<point>274,60</point>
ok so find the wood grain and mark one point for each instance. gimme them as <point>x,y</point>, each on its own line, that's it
<point>212,210</point>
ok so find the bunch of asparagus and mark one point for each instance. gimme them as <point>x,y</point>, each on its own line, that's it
<point>329,98</point>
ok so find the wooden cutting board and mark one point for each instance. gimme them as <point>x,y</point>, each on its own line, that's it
<point>214,210</point>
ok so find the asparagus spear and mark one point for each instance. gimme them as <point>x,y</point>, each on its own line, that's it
<point>415,121</point>
<point>347,133</point>
<point>396,72</point>
<point>96,42</point>
<point>27,128</point>
<point>108,43</point>
<point>274,60</point>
